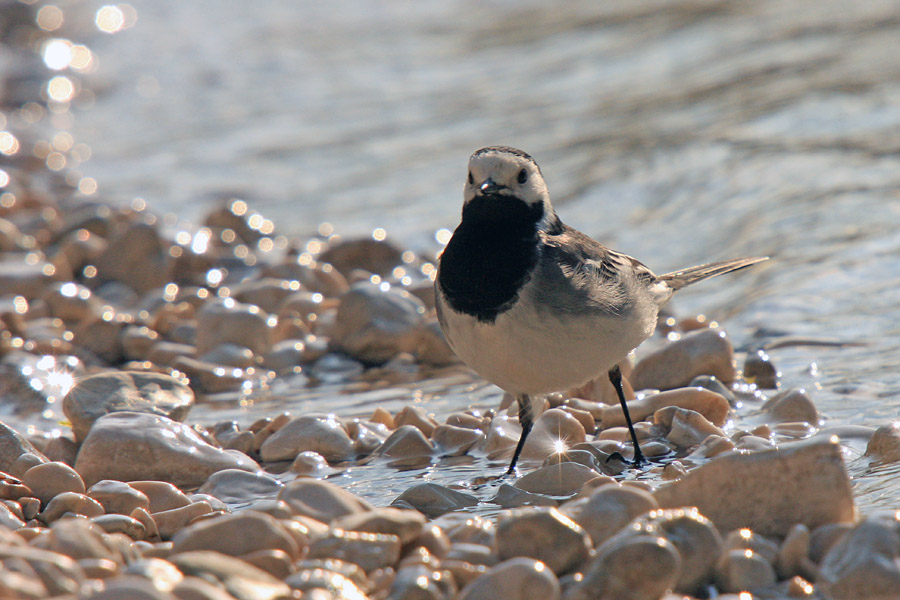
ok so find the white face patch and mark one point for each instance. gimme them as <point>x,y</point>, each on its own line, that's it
<point>505,169</point>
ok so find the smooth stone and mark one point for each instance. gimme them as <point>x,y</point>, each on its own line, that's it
<point>512,497</point>
<point>744,570</point>
<point>476,554</point>
<point>235,535</point>
<point>337,586</point>
<point>406,445</point>
<point>374,256</point>
<point>194,588</point>
<point>769,491</point>
<point>114,391</point>
<point>712,384</point>
<point>865,564</point>
<point>72,502</point>
<point>368,550</point>
<point>455,441</point>
<point>274,562</point>
<point>417,417</point>
<point>162,495</point>
<point>310,464</point>
<point>466,528</point>
<point>792,405</point>
<point>229,322</point>
<point>46,480</point>
<point>267,293</point>
<point>367,436</point>
<point>179,455</point>
<point>712,446</point>
<point>638,567</point>
<point>822,539</point>
<point>230,355</point>
<point>405,524</point>
<point>170,522</point>
<point>694,536</point>
<point>563,479</point>
<point>422,582</point>
<point>554,432</point>
<point>234,486</point>
<point>686,428</point>
<point>13,446</point>
<point>9,519</point>
<point>12,488</point>
<point>240,579</point>
<point>608,509</point>
<point>702,352</point>
<point>266,427</point>
<point>793,553</point>
<point>161,572</point>
<point>62,448</point>
<point>884,444</point>
<point>118,497</point>
<point>167,353</point>
<point>146,519</point>
<point>20,277</point>
<point>71,302</point>
<point>98,568</point>
<point>709,404</point>
<point>321,500</point>
<point>78,538</point>
<point>136,256</point>
<point>544,534</point>
<point>321,433</point>
<point>121,524</point>
<point>434,500</point>
<point>672,471</point>
<point>501,438</point>
<point>758,369</point>
<point>373,326</point>
<point>515,579</point>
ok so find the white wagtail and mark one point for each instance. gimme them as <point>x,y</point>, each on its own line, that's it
<point>535,306</point>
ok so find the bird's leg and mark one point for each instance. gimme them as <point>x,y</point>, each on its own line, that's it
<point>526,421</point>
<point>615,377</point>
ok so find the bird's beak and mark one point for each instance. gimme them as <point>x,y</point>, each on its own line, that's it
<point>489,187</point>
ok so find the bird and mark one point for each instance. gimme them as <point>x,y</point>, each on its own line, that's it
<point>535,306</point>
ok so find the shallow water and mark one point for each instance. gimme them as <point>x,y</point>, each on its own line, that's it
<point>678,131</point>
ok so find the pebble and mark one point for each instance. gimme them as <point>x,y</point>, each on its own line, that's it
<point>170,522</point>
<point>501,438</point>
<point>758,369</point>
<point>70,502</point>
<point>712,384</point>
<point>884,445</point>
<point>374,256</point>
<point>768,491</point>
<point>747,539</point>
<point>417,417</point>
<point>136,256</point>
<point>374,325</point>
<point>712,406</point>
<point>511,497</point>
<point>330,583</point>
<point>701,352</point>
<point>791,406</point>
<point>121,524</point>
<point>236,534</point>
<point>455,441</point>
<point>433,500</point>
<point>515,579</point>
<point>161,495</point>
<point>563,479</point>
<point>12,446</point>
<point>9,519</point>
<point>630,567</point>
<point>407,447</point>
<point>180,456</point>
<point>544,534</point>
<point>744,570</point>
<point>228,322</point>
<point>608,509</point>
<point>686,428</point>
<point>235,486</point>
<point>422,582</point>
<point>554,432</point>
<point>114,391</point>
<point>864,563</point>
<point>407,525</point>
<point>238,578</point>
<point>274,562</point>
<point>46,480</point>
<point>368,550</point>
<point>310,464</point>
<point>316,432</point>
<point>793,554</point>
<point>321,500</point>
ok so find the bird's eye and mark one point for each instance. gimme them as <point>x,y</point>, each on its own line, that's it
<point>471,179</point>
<point>523,176</point>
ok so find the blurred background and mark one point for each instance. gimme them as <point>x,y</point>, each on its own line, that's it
<point>678,131</point>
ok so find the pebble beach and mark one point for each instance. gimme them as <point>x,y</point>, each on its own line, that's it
<point>233,401</point>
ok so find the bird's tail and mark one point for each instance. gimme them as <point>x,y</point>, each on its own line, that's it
<point>678,279</point>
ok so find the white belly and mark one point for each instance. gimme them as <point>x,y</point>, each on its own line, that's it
<point>530,352</point>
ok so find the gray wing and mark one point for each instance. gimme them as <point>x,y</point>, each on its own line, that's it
<point>579,275</point>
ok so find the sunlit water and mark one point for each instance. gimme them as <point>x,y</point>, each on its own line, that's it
<point>678,131</point>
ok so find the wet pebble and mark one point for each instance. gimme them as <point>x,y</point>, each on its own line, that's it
<point>554,432</point>
<point>235,486</point>
<point>455,441</point>
<point>374,325</point>
<point>70,502</point>
<point>121,524</point>
<point>791,406</point>
<point>884,444</point>
<point>320,433</point>
<point>631,567</point>
<point>180,455</point>
<point>114,391</point>
<point>229,322</point>
<point>309,464</point>
<point>515,579</point>
<point>563,479</point>
<point>236,534</point>
<point>701,352</point>
<point>864,563</point>
<point>744,570</point>
<point>608,509</point>
<point>368,550</point>
<point>511,497</point>
<point>407,446</point>
<point>161,495</point>
<point>686,428</point>
<point>768,491</point>
<point>712,406</point>
<point>405,524</point>
<point>14,452</point>
<point>170,522</point>
<point>433,500</point>
<point>759,369</point>
<point>321,500</point>
<point>544,534</point>
<point>49,479</point>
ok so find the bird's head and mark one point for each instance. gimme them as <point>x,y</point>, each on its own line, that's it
<point>500,171</point>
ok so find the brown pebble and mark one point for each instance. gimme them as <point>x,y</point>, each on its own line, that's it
<point>161,495</point>
<point>169,522</point>
<point>72,502</point>
<point>118,496</point>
